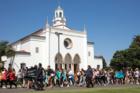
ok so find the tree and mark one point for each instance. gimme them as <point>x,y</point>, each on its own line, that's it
<point>104,63</point>
<point>129,57</point>
<point>136,42</point>
<point>5,50</point>
<point>118,59</point>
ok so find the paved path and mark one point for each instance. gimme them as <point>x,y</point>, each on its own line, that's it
<point>23,90</point>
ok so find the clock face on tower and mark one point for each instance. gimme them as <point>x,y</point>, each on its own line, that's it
<point>68,43</point>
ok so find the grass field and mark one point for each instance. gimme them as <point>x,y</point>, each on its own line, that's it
<point>91,90</point>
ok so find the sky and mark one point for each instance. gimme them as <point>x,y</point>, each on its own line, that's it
<point>110,24</point>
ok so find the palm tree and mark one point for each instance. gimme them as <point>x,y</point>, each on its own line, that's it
<point>5,50</point>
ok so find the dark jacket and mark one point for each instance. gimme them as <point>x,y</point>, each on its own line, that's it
<point>40,73</point>
<point>89,72</point>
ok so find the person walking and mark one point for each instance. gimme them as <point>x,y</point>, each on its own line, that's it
<point>12,78</point>
<point>89,75</point>
<point>40,77</point>
<point>4,78</point>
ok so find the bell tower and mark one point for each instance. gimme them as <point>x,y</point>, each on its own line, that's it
<point>59,18</point>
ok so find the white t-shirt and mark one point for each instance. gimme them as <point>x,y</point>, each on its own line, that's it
<point>136,73</point>
<point>70,74</point>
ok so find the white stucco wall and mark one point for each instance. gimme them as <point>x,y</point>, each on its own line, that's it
<point>98,61</point>
<point>39,57</point>
<point>18,59</point>
<point>25,46</point>
<point>90,53</point>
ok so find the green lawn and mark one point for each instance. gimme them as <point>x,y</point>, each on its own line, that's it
<point>90,90</point>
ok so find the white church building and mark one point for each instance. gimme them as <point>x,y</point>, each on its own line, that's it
<point>55,45</point>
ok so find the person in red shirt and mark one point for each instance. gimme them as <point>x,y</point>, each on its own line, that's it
<point>12,78</point>
<point>4,78</point>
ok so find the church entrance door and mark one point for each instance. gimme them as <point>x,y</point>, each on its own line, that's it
<point>68,61</point>
<point>76,63</point>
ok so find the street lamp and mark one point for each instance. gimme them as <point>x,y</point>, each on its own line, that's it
<point>58,35</point>
<point>58,54</point>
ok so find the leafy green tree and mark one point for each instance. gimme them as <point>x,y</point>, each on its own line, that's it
<point>118,60</point>
<point>129,57</point>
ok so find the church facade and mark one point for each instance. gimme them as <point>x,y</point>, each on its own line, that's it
<point>55,45</point>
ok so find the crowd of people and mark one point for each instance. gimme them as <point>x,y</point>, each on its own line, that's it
<point>38,78</point>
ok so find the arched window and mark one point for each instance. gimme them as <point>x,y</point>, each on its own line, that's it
<point>60,14</point>
<point>56,14</point>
